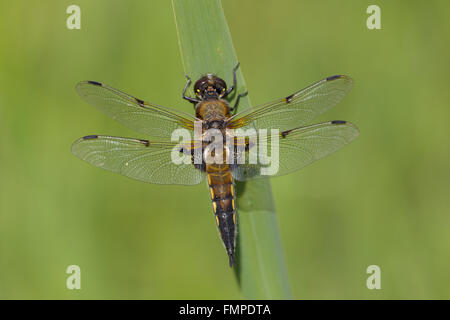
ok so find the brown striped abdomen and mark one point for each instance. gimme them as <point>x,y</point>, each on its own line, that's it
<point>222,193</point>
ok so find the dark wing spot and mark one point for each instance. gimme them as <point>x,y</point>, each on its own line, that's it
<point>285,133</point>
<point>338,122</point>
<point>90,137</point>
<point>333,77</point>
<point>186,151</point>
<point>140,102</point>
<point>145,142</point>
<point>95,83</point>
<point>289,98</point>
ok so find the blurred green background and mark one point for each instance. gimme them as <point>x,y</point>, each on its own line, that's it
<point>382,200</point>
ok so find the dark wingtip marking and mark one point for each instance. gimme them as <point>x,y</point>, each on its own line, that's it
<point>289,98</point>
<point>334,77</point>
<point>140,102</point>
<point>95,83</point>
<point>285,133</point>
<point>90,137</point>
<point>338,122</point>
<point>145,142</point>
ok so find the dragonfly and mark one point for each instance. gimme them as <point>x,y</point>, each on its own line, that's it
<point>151,160</point>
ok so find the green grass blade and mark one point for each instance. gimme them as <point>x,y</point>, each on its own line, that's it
<point>206,47</point>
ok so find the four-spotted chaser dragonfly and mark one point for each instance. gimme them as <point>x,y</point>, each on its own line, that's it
<point>150,160</point>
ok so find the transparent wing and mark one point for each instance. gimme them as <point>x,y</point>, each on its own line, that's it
<point>297,109</point>
<point>297,148</point>
<point>138,159</point>
<point>146,118</point>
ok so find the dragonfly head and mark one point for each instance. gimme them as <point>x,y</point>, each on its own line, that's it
<point>210,87</point>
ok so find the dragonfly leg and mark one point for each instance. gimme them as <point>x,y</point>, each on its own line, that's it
<point>188,82</point>
<point>236,104</point>
<point>234,81</point>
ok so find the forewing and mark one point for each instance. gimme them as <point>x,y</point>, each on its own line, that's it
<point>297,109</point>
<point>138,159</point>
<point>136,114</point>
<point>298,148</point>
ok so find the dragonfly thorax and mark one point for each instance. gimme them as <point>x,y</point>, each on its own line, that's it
<point>211,111</point>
